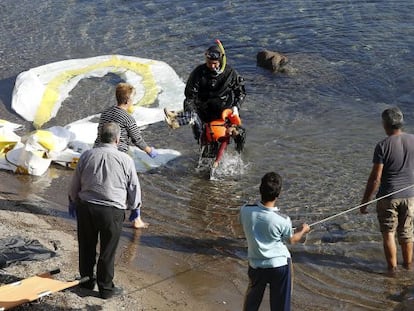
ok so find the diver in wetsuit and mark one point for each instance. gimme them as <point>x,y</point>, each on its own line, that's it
<point>211,88</point>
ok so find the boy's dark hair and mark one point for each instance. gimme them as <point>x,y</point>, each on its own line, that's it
<point>270,186</point>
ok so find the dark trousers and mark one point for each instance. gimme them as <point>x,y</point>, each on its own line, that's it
<point>280,281</point>
<point>103,222</point>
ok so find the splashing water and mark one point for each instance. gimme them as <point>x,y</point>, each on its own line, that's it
<point>231,165</point>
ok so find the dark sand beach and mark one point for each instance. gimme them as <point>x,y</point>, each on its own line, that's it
<point>32,217</point>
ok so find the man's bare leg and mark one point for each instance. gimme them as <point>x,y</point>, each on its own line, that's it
<point>407,253</point>
<point>390,250</point>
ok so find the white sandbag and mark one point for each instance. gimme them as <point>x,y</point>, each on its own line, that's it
<point>27,161</point>
<point>53,139</point>
<point>67,158</point>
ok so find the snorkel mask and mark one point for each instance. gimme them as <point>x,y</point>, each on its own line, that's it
<point>213,54</point>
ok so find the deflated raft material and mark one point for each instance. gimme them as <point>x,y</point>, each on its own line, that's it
<point>64,145</point>
<point>39,92</point>
<point>33,153</point>
<point>33,288</point>
<point>15,249</point>
<point>8,139</point>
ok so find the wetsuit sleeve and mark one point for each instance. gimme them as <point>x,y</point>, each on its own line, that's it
<point>191,91</point>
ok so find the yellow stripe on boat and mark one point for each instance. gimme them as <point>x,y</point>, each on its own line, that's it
<point>116,65</point>
<point>39,92</point>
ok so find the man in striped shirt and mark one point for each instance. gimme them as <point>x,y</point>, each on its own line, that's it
<point>129,128</point>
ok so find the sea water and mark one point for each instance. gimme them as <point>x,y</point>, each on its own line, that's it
<point>316,125</point>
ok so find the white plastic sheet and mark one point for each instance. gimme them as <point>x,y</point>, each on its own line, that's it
<point>39,92</point>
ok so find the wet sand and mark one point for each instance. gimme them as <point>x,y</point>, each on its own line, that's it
<point>166,279</point>
<point>162,270</point>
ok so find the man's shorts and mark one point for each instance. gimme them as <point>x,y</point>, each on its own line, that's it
<point>397,215</point>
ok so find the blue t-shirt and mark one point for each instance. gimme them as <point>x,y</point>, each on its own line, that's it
<point>396,153</point>
<point>266,231</point>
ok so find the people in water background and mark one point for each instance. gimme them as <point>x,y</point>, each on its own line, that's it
<point>393,170</point>
<point>211,89</point>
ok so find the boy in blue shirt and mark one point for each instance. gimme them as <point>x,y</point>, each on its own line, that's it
<point>267,231</point>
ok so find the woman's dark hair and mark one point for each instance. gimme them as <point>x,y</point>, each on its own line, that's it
<point>270,186</point>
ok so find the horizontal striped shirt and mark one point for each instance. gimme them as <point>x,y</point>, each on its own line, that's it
<point>130,132</point>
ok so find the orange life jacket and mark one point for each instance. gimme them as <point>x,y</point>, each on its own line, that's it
<point>217,129</point>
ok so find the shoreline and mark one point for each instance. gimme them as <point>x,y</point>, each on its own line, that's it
<point>159,271</point>
<point>163,281</point>
<point>55,234</point>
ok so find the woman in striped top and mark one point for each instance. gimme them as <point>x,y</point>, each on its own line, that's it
<point>129,128</point>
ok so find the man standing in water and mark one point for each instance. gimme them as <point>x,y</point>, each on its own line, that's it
<point>211,88</point>
<point>393,170</point>
<point>104,185</point>
<point>267,230</point>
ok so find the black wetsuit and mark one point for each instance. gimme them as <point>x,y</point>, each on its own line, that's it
<point>208,93</point>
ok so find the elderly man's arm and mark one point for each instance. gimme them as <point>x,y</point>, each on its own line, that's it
<point>372,186</point>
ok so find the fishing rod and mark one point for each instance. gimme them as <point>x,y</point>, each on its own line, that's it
<point>356,207</point>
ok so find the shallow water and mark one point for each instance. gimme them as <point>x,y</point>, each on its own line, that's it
<point>317,126</point>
